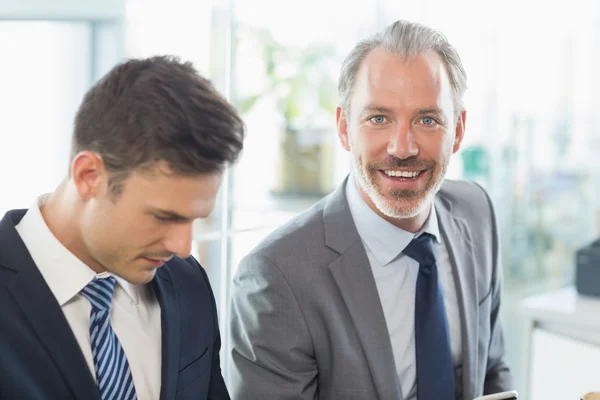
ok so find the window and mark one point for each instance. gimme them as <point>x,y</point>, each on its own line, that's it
<point>532,138</point>
<point>531,134</point>
<point>55,53</point>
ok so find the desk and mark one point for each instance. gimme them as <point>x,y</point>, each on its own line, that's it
<point>562,345</point>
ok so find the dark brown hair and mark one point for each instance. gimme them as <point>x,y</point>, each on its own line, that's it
<point>157,109</point>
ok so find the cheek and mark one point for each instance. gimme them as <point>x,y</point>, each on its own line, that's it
<point>100,238</point>
<point>143,235</point>
<point>435,146</point>
<point>447,150</point>
<point>97,223</point>
<point>123,231</point>
<point>369,144</point>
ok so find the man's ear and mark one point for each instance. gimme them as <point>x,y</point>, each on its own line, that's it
<point>460,130</point>
<point>342,127</point>
<point>88,174</point>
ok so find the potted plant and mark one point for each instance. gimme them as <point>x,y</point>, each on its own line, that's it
<point>301,82</point>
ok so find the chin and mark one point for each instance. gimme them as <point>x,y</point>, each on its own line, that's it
<point>401,209</point>
<point>146,276</point>
<point>140,277</point>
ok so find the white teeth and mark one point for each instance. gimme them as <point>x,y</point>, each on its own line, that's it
<point>402,174</point>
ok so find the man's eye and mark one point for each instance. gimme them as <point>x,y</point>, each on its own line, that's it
<point>428,121</point>
<point>378,119</point>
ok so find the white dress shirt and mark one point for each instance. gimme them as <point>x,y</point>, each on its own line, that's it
<point>396,279</point>
<point>134,315</point>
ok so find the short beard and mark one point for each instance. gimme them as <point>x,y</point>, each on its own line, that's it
<point>415,201</point>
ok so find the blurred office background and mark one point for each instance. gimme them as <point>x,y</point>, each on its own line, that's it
<point>533,130</point>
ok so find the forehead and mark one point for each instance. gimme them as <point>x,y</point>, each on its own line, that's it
<point>397,81</point>
<point>192,196</point>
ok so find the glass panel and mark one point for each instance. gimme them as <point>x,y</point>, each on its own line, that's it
<point>181,28</point>
<point>289,114</point>
<point>285,85</point>
<point>194,31</point>
<point>43,78</point>
<point>532,135</point>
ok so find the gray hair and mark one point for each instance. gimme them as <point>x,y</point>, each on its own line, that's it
<point>407,39</point>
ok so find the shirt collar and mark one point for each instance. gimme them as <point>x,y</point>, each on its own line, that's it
<point>385,240</point>
<point>64,273</point>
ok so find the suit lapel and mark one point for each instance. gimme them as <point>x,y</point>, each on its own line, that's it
<point>457,236</point>
<point>352,274</point>
<point>164,288</point>
<point>354,278</point>
<point>39,306</point>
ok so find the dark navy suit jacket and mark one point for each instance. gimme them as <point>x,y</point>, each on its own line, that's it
<point>40,358</point>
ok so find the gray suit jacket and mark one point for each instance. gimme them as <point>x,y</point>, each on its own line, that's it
<point>307,323</point>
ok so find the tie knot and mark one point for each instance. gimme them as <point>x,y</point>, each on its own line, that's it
<point>421,250</point>
<point>99,292</point>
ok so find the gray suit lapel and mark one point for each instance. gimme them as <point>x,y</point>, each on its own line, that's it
<point>457,236</point>
<point>352,274</point>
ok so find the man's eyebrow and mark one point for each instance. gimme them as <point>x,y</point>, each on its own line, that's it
<point>432,110</point>
<point>372,108</point>
<point>169,214</point>
<point>385,110</point>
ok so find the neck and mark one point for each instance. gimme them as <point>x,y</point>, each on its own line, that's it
<point>60,213</point>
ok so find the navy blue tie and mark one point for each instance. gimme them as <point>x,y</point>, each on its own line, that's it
<point>113,375</point>
<point>435,370</point>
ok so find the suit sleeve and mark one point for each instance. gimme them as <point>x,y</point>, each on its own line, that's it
<point>217,389</point>
<point>272,353</point>
<point>498,377</point>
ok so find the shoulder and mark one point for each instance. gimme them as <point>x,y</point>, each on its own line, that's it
<point>189,277</point>
<point>466,199</point>
<point>290,240</point>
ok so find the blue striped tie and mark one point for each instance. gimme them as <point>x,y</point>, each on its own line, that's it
<point>113,375</point>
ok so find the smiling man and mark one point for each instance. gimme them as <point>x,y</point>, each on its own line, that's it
<point>99,295</point>
<point>389,288</point>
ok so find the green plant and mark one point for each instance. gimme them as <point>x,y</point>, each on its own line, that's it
<point>294,76</point>
<point>300,81</point>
